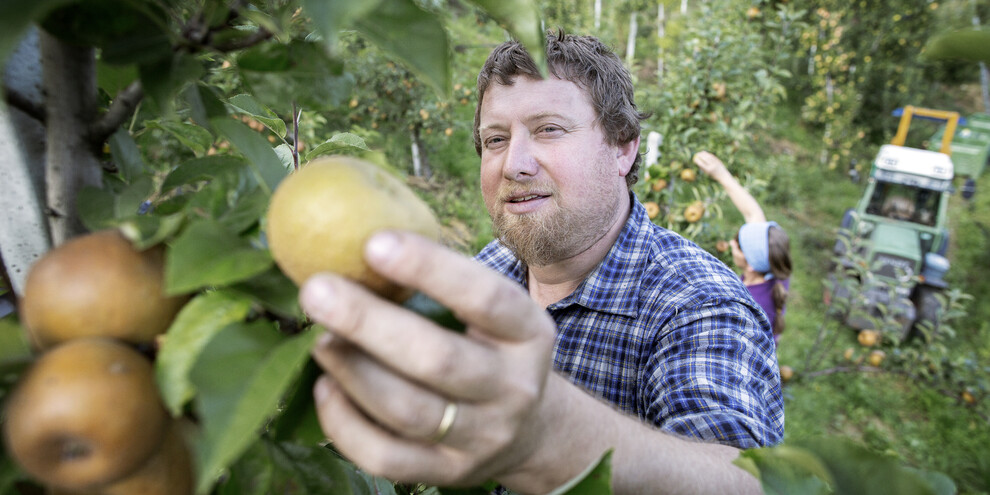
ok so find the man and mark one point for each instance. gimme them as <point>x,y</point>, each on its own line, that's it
<point>654,344</point>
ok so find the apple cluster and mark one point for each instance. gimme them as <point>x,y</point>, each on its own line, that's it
<point>87,417</point>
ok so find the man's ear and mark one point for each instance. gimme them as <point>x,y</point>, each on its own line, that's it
<point>625,155</point>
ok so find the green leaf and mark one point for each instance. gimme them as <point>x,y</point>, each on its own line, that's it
<point>330,17</point>
<point>129,199</point>
<point>940,483</point>
<point>147,230</point>
<point>595,480</point>
<point>246,211</point>
<point>214,198</point>
<point>856,469</point>
<point>273,291</point>
<point>248,104</point>
<point>126,32</point>
<point>267,57</point>
<point>126,155</point>
<point>263,19</point>
<point>192,136</point>
<point>340,141</point>
<point>241,375</point>
<point>203,169</point>
<point>786,470</point>
<point>522,19</point>
<point>415,36</point>
<point>252,474</point>
<point>162,79</point>
<point>97,208</point>
<point>114,78</point>
<point>207,254</point>
<point>284,153</point>
<point>204,104</point>
<point>15,350</point>
<point>316,470</point>
<point>265,164</point>
<point>105,208</point>
<point>298,421</point>
<point>968,44</point>
<point>430,308</point>
<point>300,71</point>
<point>200,319</point>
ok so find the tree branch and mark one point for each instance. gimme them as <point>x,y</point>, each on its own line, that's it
<point>120,110</point>
<point>17,100</point>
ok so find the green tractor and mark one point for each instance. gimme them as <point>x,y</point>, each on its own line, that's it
<point>970,149</point>
<point>891,247</point>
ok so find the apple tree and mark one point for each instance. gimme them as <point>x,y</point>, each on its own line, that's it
<point>719,88</point>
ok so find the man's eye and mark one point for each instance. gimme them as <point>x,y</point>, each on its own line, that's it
<point>494,141</point>
<point>550,129</point>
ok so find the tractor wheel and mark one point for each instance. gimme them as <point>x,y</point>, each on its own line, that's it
<point>843,239</point>
<point>929,312</point>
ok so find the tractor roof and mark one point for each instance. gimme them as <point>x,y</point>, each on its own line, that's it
<point>924,163</point>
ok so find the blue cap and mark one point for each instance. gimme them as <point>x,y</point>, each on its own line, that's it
<point>755,245</point>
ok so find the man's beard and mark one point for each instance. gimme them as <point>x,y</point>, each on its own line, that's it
<point>531,237</point>
<point>541,239</point>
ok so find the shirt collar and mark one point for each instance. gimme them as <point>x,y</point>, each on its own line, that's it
<point>614,285</point>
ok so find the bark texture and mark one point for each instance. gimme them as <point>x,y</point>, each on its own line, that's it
<point>23,226</point>
<point>69,82</point>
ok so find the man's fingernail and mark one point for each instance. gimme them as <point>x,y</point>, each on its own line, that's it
<point>382,246</point>
<point>321,391</point>
<point>316,297</point>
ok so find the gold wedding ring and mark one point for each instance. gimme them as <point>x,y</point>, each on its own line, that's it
<point>449,414</point>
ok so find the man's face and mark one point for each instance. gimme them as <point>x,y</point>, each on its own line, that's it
<point>551,182</point>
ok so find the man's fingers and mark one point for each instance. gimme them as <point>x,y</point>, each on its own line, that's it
<point>477,295</point>
<point>377,451</point>
<point>451,363</point>
<point>398,404</point>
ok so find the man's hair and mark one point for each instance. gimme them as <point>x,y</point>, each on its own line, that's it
<point>584,61</point>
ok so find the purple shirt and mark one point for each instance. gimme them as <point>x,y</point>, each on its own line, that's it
<point>763,295</point>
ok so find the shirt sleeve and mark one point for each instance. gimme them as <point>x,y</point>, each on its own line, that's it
<point>713,376</point>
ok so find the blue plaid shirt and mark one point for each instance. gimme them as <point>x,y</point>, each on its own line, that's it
<point>667,332</point>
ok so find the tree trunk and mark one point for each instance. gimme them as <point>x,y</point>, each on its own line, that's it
<point>421,165</point>
<point>414,149</point>
<point>69,81</point>
<point>598,14</point>
<point>23,228</point>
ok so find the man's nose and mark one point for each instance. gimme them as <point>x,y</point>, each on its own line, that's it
<point>520,160</point>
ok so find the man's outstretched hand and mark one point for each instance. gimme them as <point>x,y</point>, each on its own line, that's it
<point>391,374</point>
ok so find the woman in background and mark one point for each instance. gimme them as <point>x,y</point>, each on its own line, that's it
<point>761,249</point>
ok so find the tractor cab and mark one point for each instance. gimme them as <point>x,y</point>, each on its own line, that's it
<point>898,232</point>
